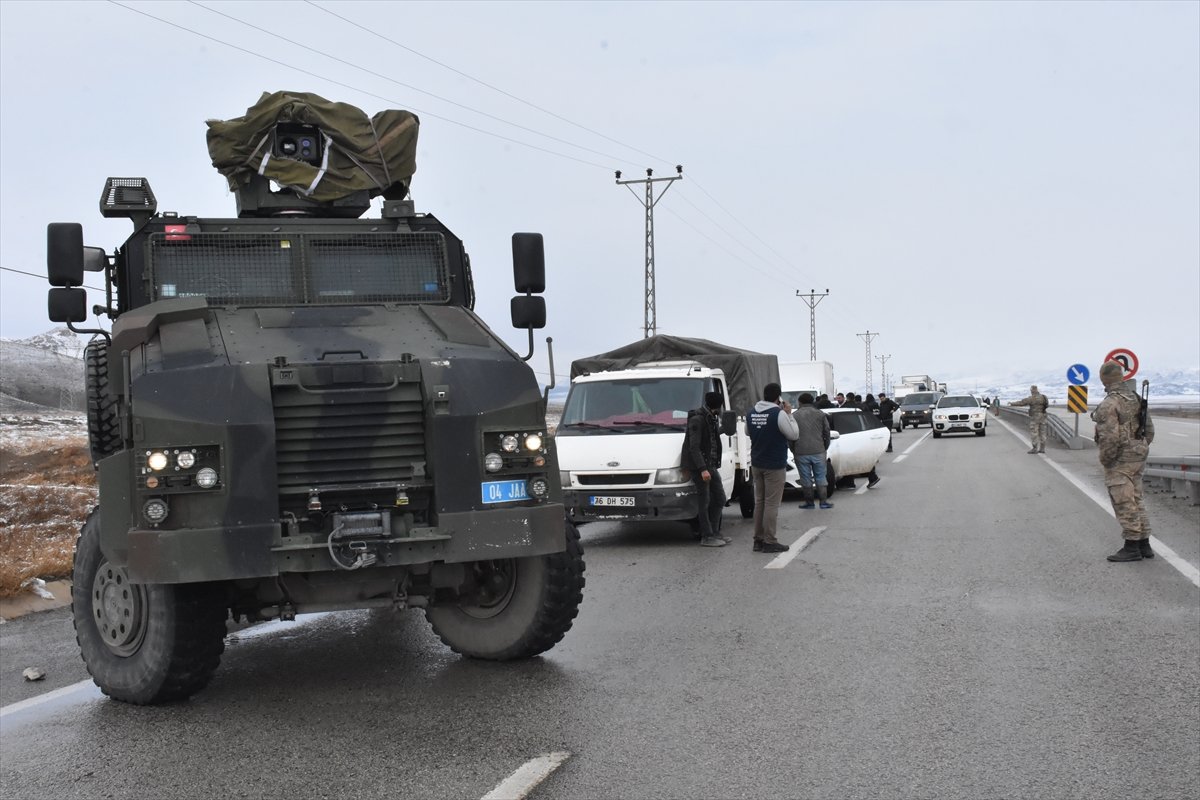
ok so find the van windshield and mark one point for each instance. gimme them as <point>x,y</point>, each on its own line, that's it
<point>646,403</point>
<point>920,399</point>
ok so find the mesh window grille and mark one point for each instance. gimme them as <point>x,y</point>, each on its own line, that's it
<point>297,269</point>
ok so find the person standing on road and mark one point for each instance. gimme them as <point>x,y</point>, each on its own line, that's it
<point>1038,403</point>
<point>812,441</point>
<point>702,457</point>
<point>771,427</point>
<point>1123,436</point>
<point>887,408</point>
<point>839,400</point>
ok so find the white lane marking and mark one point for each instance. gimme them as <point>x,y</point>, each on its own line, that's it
<point>783,559</point>
<point>861,489</point>
<point>264,629</point>
<point>1185,568</point>
<point>13,708</point>
<point>527,777</point>
<point>1180,435</point>
<point>911,447</point>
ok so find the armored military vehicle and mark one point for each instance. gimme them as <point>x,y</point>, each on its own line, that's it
<point>298,410</point>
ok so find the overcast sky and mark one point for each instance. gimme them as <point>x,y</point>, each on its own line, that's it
<point>993,188</point>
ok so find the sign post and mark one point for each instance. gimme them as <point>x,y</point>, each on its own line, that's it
<point>1077,377</point>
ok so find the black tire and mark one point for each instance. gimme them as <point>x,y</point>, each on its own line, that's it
<point>536,601</point>
<point>830,479</point>
<point>104,426</point>
<point>937,435</point>
<point>981,433</point>
<point>142,643</point>
<point>745,496</point>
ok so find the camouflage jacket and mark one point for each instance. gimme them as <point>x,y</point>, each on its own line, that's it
<point>1037,402</point>
<point>1116,421</point>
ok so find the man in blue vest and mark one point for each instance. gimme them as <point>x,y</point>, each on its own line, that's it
<point>771,427</point>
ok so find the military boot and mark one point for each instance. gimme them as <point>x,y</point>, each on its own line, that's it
<point>1144,545</point>
<point>808,498</point>
<point>1042,448</point>
<point>1130,551</point>
<point>1031,450</point>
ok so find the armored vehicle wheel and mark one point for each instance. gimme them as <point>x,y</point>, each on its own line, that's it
<point>104,428</point>
<point>523,608</point>
<point>142,643</point>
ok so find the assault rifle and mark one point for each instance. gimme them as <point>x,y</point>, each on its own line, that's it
<point>1143,410</point>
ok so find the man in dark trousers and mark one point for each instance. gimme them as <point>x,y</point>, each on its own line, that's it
<point>771,427</point>
<point>887,408</point>
<point>702,457</point>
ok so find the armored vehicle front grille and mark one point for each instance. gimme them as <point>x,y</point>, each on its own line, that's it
<point>326,439</point>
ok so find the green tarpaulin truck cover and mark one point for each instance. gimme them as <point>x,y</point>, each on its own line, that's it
<point>746,371</point>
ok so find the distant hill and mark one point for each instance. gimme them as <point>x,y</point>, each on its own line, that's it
<point>43,371</point>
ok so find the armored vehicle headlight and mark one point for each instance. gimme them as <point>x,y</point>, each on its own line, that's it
<point>533,441</point>
<point>206,478</point>
<point>157,461</point>
<point>508,443</point>
<point>155,510</point>
<point>539,487</point>
<point>493,462</point>
<point>186,459</point>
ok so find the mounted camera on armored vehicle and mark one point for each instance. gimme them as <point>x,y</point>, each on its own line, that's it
<point>298,410</point>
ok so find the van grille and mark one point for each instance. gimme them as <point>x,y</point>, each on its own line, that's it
<point>329,439</point>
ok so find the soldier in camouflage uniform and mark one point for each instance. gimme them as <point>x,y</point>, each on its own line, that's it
<point>1123,456</point>
<point>1038,403</point>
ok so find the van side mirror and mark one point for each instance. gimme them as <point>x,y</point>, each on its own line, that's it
<point>67,305</point>
<point>529,263</point>
<point>64,254</point>
<point>729,422</point>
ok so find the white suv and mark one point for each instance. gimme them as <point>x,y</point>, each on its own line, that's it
<point>959,413</point>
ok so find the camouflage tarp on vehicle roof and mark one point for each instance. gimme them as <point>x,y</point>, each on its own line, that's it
<point>378,154</point>
<point>746,371</point>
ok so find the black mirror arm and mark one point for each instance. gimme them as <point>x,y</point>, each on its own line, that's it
<point>550,353</point>
<point>107,337</point>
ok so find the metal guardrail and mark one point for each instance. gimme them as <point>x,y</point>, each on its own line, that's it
<point>1058,426</point>
<point>1179,475</point>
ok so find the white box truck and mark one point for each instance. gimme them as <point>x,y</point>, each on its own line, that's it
<point>798,377</point>
<point>621,434</point>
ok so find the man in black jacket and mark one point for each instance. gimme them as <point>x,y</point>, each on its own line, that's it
<point>702,457</point>
<point>887,408</point>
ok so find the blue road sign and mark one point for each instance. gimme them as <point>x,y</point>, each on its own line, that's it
<point>1077,374</point>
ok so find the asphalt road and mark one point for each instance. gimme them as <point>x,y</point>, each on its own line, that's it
<point>954,633</point>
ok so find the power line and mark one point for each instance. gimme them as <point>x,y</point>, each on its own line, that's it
<point>43,277</point>
<point>482,82</point>
<point>389,100</point>
<point>398,83</point>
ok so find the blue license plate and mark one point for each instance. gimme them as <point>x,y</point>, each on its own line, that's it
<point>504,491</point>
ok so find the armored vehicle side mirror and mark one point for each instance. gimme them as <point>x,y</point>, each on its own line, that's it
<point>64,254</point>
<point>529,263</point>
<point>528,312</point>
<point>94,259</point>
<point>67,305</point>
<point>729,422</point>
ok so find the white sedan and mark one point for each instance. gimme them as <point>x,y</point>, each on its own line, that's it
<point>858,439</point>
<point>959,413</point>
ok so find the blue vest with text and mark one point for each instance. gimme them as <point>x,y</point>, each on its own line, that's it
<point>768,445</point>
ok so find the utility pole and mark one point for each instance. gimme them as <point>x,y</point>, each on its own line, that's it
<point>650,322</point>
<point>811,299</point>
<point>867,337</point>
<point>883,369</point>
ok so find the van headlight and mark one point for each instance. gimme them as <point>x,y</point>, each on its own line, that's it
<point>671,476</point>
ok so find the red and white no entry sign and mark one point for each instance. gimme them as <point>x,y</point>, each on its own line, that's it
<point>1126,358</point>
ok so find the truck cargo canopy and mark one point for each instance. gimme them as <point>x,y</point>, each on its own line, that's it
<point>746,371</point>
<point>377,154</point>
